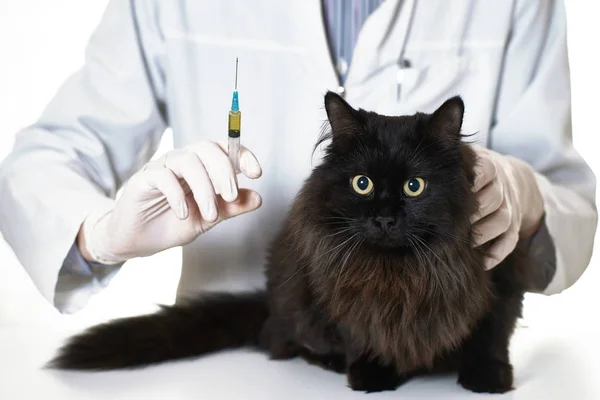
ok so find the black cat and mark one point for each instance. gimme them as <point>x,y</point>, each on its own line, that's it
<point>374,273</point>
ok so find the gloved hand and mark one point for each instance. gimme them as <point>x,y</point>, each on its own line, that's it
<point>169,203</point>
<point>510,203</point>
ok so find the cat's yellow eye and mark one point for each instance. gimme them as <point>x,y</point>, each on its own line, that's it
<point>362,185</point>
<point>414,187</point>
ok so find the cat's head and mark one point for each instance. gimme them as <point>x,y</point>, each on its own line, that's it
<point>396,183</point>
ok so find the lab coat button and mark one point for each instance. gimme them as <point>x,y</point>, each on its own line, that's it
<point>341,90</point>
<point>342,66</point>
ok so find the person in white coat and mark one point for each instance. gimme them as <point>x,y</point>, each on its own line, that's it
<point>153,65</point>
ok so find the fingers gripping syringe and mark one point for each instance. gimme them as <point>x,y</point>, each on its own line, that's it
<point>235,125</point>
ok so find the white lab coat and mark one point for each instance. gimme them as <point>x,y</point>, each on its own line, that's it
<point>155,64</point>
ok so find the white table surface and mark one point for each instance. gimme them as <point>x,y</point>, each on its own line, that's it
<point>549,364</point>
<point>556,357</point>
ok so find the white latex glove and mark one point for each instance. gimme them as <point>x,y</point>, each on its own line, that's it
<point>169,203</point>
<point>510,203</point>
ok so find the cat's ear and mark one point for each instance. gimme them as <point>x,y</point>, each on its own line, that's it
<point>345,121</point>
<point>446,121</point>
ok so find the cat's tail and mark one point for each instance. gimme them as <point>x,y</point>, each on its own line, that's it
<point>204,325</point>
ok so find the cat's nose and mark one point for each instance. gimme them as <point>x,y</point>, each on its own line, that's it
<point>385,223</point>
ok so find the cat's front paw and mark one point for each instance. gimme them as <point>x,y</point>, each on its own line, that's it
<point>488,376</point>
<point>371,378</point>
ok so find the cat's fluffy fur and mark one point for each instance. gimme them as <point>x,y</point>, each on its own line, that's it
<point>380,286</point>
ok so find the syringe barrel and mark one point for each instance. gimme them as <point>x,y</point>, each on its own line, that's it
<point>233,145</point>
<point>235,123</point>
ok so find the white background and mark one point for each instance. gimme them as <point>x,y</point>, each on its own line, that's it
<point>42,42</point>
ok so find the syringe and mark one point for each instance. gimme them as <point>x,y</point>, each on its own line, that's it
<point>235,125</point>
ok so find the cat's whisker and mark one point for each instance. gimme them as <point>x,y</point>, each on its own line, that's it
<point>439,283</point>
<point>339,218</point>
<point>317,258</point>
<point>417,152</point>
<point>333,256</point>
<point>417,249</point>
<point>437,234</point>
<point>342,223</point>
<point>335,248</point>
<point>293,275</point>
<point>431,250</point>
<point>411,156</point>
<point>346,258</point>
<point>339,230</point>
<point>448,235</point>
<point>450,276</point>
<point>338,233</point>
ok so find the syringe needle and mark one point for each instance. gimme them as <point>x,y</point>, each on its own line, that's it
<point>236,72</point>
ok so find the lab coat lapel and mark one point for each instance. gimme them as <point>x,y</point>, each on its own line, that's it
<point>310,19</point>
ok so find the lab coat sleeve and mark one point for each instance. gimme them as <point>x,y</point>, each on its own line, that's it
<point>104,122</point>
<point>533,123</point>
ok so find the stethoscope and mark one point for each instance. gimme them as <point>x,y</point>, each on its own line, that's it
<point>402,62</point>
